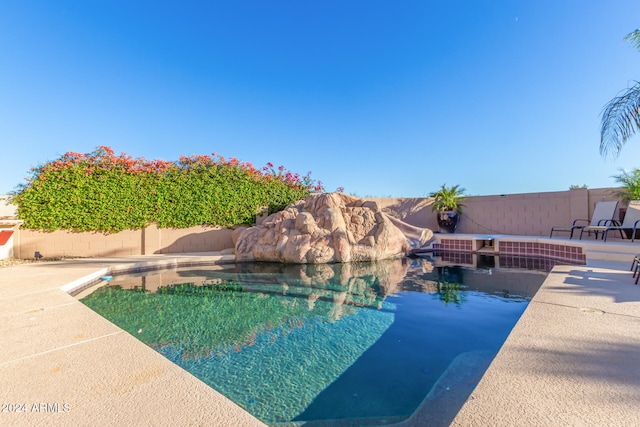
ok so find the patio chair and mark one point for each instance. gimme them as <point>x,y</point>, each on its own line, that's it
<point>635,267</point>
<point>631,221</point>
<point>603,214</point>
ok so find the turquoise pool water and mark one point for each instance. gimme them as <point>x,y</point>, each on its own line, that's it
<point>363,343</point>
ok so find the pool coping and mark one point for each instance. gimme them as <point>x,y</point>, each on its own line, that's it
<point>65,365</point>
<point>571,359</point>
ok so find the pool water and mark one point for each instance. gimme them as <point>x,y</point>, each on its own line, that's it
<point>364,343</point>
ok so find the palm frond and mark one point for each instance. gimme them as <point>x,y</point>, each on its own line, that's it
<point>620,120</point>
<point>448,198</point>
<point>634,38</point>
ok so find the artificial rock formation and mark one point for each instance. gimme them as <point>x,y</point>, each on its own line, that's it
<point>327,228</point>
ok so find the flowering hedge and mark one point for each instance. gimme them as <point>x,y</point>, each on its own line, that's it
<point>103,192</point>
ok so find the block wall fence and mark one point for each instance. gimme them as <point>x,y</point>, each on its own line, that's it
<point>530,214</point>
<point>151,240</point>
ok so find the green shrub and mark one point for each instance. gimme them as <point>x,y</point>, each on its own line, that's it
<point>103,192</point>
<point>630,181</point>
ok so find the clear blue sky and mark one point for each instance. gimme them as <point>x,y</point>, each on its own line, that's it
<point>384,98</point>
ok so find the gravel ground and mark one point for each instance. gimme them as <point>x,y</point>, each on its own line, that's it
<point>10,262</point>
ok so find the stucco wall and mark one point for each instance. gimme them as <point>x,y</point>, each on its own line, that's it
<point>530,214</point>
<point>151,240</point>
<point>7,210</point>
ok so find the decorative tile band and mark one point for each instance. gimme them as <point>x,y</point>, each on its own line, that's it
<point>572,254</point>
<point>562,252</point>
<point>455,245</point>
<point>527,263</point>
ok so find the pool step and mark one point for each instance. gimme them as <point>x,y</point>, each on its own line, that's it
<point>350,422</point>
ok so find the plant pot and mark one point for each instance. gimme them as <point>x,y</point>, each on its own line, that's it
<point>448,221</point>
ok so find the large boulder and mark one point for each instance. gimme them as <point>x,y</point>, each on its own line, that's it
<point>327,228</point>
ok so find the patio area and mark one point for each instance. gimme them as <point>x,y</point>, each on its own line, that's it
<point>572,359</point>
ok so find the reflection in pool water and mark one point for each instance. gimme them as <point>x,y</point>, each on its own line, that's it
<point>316,342</point>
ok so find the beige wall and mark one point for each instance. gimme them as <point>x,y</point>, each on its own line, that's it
<point>7,210</point>
<point>151,240</point>
<point>530,214</point>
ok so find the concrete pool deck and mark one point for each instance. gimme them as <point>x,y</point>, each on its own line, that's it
<point>572,359</point>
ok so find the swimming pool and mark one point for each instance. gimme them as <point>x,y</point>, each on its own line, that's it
<point>366,343</point>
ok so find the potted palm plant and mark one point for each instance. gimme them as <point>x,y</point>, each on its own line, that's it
<point>448,207</point>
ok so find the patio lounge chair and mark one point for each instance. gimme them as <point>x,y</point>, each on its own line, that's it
<point>603,215</point>
<point>635,267</point>
<point>631,221</point>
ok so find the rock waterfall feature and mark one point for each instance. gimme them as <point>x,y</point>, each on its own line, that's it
<point>328,228</point>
